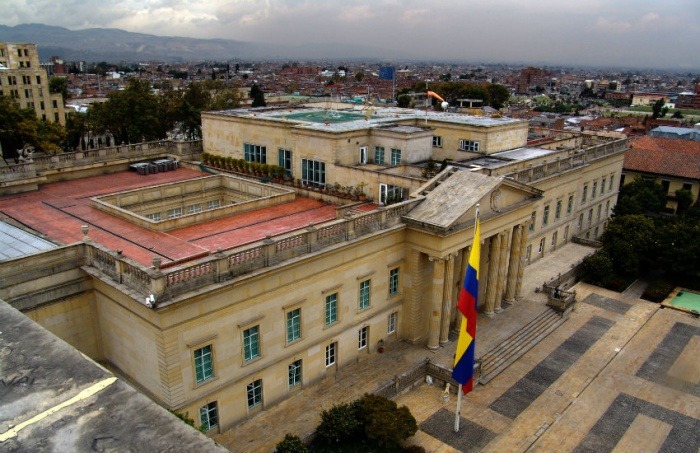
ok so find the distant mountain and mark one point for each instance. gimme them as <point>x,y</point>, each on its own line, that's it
<point>114,45</point>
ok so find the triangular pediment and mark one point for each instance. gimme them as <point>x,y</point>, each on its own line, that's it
<point>450,199</point>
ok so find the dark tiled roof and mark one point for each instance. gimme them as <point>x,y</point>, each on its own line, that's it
<point>664,156</point>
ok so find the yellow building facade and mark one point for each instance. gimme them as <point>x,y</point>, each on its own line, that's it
<point>26,82</point>
<point>229,334</point>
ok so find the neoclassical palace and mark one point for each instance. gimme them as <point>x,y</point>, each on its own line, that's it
<point>219,294</point>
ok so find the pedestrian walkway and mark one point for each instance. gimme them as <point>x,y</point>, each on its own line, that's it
<point>300,414</point>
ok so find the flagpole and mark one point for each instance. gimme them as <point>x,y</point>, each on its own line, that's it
<point>459,387</point>
<point>459,407</point>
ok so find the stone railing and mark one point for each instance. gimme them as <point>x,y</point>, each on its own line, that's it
<point>558,297</point>
<point>416,376</point>
<point>166,282</point>
<point>138,151</point>
<point>578,159</point>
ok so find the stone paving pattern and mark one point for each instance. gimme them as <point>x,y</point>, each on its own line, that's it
<point>568,414</point>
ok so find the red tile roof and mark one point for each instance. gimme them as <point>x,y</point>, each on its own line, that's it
<point>59,210</point>
<point>664,156</point>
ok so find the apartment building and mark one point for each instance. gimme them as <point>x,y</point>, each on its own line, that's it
<point>23,79</point>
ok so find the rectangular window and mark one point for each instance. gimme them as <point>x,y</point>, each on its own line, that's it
<point>545,216</point>
<point>331,308</point>
<point>528,253</point>
<point>437,141</point>
<point>394,282</point>
<point>364,294</point>
<point>38,80</point>
<point>542,241</point>
<point>566,233</point>
<point>174,213</point>
<point>313,172</point>
<point>391,324</point>
<point>363,154</point>
<point>284,160</point>
<point>362,337</point>
<point>42,105</point>
<point>585,193</point>
<point>580,221</point>
<point>395,156</point>
<point>295,373</point>
<point>600,211</point>
<point>194,208</point>
<point>665,183</point>
<point>570,204</point>
<point>379,155</point>
<point>254,391</point>
<point>554,240</point>
<point>55,104</point>
<point>557,213</point>
<point>594,190</point>
<point>155,217</point>
<point>209,416</point>
<point>293,325</point>
<point>330,354</point>
<point>251,343</point>
<point>213,204</point>
<point>254,153</point>
<point>607,208</point>
<point>468,145</point>
<point>687,186</point>
<point>602,185</point>
<point>590,217</point>
<point>533,219</point>
<point>203,364</point>
<point>612,176</point>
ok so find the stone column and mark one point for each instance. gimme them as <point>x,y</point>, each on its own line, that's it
<point>436,292</point>
<point>414,283</point>
<point>492,282</point>
<point>521,267</point>
<point>447,298</point>
<point>514,264</point>
<point>502,269</point>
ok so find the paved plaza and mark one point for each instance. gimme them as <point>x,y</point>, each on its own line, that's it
<point>621,374</point>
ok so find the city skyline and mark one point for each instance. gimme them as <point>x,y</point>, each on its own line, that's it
<point>628,33</point>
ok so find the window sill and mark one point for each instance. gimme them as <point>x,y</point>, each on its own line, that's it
<point>205,382</point>
<point>251,361</point>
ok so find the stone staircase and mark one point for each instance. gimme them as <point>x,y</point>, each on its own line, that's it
<point>515,346</point>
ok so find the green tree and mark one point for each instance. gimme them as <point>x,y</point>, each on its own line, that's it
<point>291,444</point>
<point>684,199</point>
<point>339,424</point>
<point>404,101</point>
<point>18,127</point>
<point>386,424</point>
<point>678,248</point>
<point>258,96</point>
<point>359,75</point>
<point>641,196</point>
<point>598,268</point>
<point>131,115</point>
<point>498,95</point>
<point>677,115</point>
<point>630,242</point>
<point>657,108</point>
<point>59,85</point>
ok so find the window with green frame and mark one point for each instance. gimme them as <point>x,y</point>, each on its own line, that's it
<point>254,391</point>
<point>395,156</point>
<point>203,364</point>
<point>379,155</point>
<point>394,282</point>
<point>295,373</point>
<point>293,325</point>
<point>251,343</point>
<point>331,308</point>
<point>364,294</point>
<point>209,416</point>
<point>557,212</point>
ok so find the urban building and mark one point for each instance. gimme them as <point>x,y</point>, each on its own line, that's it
<point>672,162</point>
<point>219,295</point>
<point>23,79</point>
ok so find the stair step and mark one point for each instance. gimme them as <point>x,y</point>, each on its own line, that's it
<point>505,354</point>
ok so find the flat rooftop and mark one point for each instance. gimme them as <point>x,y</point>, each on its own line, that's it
<point>58,211</point>
<point>359,117</point>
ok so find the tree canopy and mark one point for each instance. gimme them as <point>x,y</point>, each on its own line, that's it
<point>491,94</point>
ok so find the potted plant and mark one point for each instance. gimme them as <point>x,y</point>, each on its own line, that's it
<point>359,191</point>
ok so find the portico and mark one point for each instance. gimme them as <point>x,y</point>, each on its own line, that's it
<point>441,232</point>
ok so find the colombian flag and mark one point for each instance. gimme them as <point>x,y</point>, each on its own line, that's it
<point>463,371</point>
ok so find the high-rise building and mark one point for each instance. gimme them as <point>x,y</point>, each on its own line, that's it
<point>23,79</point>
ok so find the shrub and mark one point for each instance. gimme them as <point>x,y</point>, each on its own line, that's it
<point>657,290</point>
<point>339,424</point>
<point>386,424</point>
<point>291,444</point>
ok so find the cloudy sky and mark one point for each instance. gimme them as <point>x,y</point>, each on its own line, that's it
<point>637,33</point>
